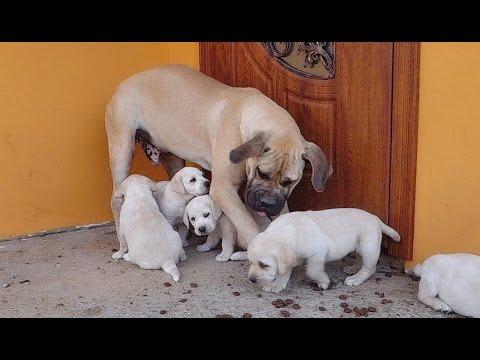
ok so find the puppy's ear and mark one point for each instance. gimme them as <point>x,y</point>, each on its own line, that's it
<point>252,147</point>
<point>176,184</point>
<point>216,211</point>
<point>321,170</point>
<point>286,258</point>
<point>185,219</point>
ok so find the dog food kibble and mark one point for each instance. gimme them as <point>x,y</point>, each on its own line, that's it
<point>344,305</point>
<point>285,313</point>
<point>347,310</point>
<point>288,301</point>
<point>247,316</point>
<point>236,293</point>
<point>167,284</point>
<point>183,300</point>
<point>259,295</point>
<point>321,308</point>
<point>163,312</point>
<point>372,309</point>
<point>382,295</point>
<point>389,301</point>
<point>192,284</point>
<point>343,297</point>
<point>25,282</point>
<point>295,306</point>
<point>384,301</point>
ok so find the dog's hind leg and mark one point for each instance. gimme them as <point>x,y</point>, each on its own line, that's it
<point>172,163</point>
<point>369,250</point>
<point>427,294</point>
<point>182,256</point>
<point>316,271</point>
<point>171,268</point>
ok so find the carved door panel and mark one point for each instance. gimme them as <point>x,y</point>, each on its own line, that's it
<point>343,103</point>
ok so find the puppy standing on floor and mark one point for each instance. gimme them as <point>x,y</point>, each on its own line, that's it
<point>316,237</point>
<point>450,282</point>
<point>207,219</point>
<point>172,196</point>
<point>146,238</point>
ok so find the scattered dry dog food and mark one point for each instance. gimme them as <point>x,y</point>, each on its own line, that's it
<point>236,293</point>
<point>25,282</point>
<point>247,316</point>
<point>344,305</point>
<point>372,309</point>
<point>183,300</point>
<point>193,285</point>
<point>295,306</point>
<point>163,312</point>
<point>223,316</point>
<point>288,301</point>
<point>321,308</point>
<point>6,285</point>
<point>285,313</point>
<point>343,297</point>
<point>167,284</point>
<point>347,310</point>
<point>259,295</point>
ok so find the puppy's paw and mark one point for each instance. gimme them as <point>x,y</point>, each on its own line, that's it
<point>239,256</point>
<point>203,248</point>
<point>185,243</point>
<point>117,255</point>
<point>441,306</point>
<point>272,288</point>
<point>222,257</point>
<point>353,280</point>
<point>324,284</point>
<point>183,257</point>
<point>126,257</point>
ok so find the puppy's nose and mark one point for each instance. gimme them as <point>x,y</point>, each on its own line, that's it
<point>207,183</point>
<point>253,280</point>
<point>202,229</point>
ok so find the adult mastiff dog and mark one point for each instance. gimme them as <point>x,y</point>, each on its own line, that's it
<point>236,133</point>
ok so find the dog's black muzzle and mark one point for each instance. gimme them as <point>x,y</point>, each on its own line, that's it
<point>265,199</point>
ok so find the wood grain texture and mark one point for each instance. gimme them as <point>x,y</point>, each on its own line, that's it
<point>406,71</point>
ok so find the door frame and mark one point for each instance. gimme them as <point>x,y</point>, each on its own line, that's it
<point>404,136</point>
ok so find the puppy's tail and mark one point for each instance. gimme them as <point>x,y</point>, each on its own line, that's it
<point>171,268</point>
<point>387,230</point>
<point>417,270</point>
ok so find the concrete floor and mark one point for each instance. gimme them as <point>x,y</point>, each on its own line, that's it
<point>72,274</point>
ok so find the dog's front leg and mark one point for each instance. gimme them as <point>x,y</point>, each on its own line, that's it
<point>279,284</point>
<point>229,238</point>
<point>225,194</point>
<point>183,232</point>
<point>212,241</point>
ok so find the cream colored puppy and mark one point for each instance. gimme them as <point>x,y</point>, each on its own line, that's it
<point>450,282</point>
<point>204,215</point>
<point>146,238</point>
<point>172,196</point>
<point>316,237</point>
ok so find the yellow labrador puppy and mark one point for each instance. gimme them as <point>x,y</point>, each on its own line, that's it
<point>316,237</point>
<point>146,238</point>
<point>450,282</point>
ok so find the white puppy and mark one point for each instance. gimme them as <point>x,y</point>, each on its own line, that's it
<point>146,238</point>
<point>172,196</point>
<point>204,214</point>
<point>450,282</point>
<point>316,237</point>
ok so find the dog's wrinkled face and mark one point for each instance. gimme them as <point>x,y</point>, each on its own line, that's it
<point>202,213</point>
<point>275,166</point>
<point>190,181</point>
<point>263,262</point>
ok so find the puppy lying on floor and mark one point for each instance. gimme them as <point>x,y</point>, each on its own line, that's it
<point>316,237</point>
<point>146,238</point>
<point>204,214</point>
<point>172,196</point>
<point>450,282</point>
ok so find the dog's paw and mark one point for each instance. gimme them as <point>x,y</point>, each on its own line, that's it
<point>117,255</point>
<point>183,257</point>
<point>185,243</point>
<point>272,288</point>
<point>441,306</point>
<point>323,284</point>
<point>222,257</point>
<point>126,257</point>
<point>203,248</point>
<point>239,256</point>
<point>353,280</point>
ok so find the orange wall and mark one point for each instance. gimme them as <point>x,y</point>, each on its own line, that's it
<point>53,150</point>
<point>447,215</point>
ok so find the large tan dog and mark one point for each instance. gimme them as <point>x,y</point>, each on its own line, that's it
<point>178,113</point>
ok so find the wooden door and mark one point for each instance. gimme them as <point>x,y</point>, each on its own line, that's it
<point>348,113</point>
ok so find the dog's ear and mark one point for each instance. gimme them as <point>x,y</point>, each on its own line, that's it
<point>321,170</point>
<point>176,184</point>
<point>252,147</point>
<point>216,211</point>
<point>185,219</point>
<point>286,258</point>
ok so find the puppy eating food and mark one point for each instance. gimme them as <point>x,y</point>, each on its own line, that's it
<point>146,238</point>
<point>450,283</point>
<point>316,237</point>
<point>203,214</point>
<point>172,196</point>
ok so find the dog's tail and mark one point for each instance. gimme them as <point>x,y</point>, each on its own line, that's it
<point>417,270</point>
<point>171,268</point>
<point>387,230</point>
